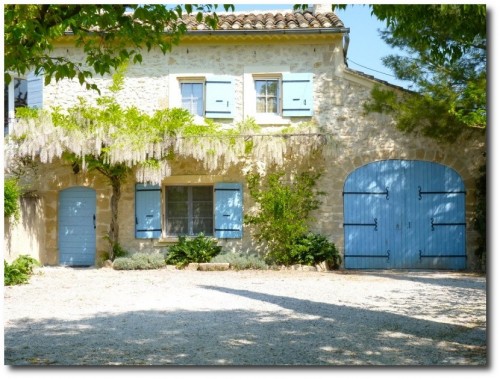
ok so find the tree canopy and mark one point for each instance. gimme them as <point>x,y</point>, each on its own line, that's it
<point>446,60</point>
<point>109,35</point>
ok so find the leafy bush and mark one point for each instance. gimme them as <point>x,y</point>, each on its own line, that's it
<point>140,261</point>
<point>117,250</point>
<point>11,193</point>
<point>200,249</point>
<point>311,249</point>
<point>19,271</point>
<point>241,261</point>
<point>284,211</point>
<point>480,219</point>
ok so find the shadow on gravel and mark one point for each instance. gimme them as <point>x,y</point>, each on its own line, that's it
<point>460,280</point>
<point>300,332</point>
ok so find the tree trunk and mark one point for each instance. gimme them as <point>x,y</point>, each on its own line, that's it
<point>114,227</point>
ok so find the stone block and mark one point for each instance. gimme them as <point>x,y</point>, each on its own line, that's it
<point>213,266</point>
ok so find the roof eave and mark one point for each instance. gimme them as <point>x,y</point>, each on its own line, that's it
<point>254,31</point>
<point>269,31</point>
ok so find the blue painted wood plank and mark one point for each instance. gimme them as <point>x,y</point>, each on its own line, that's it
<point>421,222</point>
<point>76,226</point>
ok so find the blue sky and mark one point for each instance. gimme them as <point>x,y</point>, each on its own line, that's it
<point>366,48</point>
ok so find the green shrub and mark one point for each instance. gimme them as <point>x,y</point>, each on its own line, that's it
<point>200,249</point>
<point>117,250</point>
<point>311,249</point>
<point>241,261</point>
<point>11,193</point>
<point>284,212</point>
<point>19,271</point>
<point>480,219</point>
<point>140,261</point>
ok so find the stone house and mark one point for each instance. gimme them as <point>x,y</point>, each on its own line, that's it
<point>392,200</point>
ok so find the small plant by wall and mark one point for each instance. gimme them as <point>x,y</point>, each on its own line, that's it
<point>480,218</point>
<point>200,249</point>
<point>140,261</point>
<point>312,249</point>
<point>240,261</point>
<point>11,193</point>
<point>19,271</point>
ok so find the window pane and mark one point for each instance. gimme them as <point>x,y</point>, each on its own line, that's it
<point>260,87</point>
<point>177,193</point>
<point>197,90</point>
<point>203,225</point>
<point>202,193</point>
<point>177,226</point>
<point>20,92</point>
<point>202,209</point>
<point>177,209</point>
<point>272,105</point>
<point>6,109</point>
<point>192,97</point>
<point>272,87</point>
<point>261,104</point>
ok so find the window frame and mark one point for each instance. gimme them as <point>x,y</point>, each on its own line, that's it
<point>218,92</point>
<point>202,82</point>
<point>34,96</point>
<point>279,95</point>
<point>151,207</point>
<point>258,72</point>
<point>190,215</point>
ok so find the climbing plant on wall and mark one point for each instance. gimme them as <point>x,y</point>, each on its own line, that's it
<point>116,141</point>
<point>283,213</point>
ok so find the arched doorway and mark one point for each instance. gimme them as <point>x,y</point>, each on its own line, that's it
<point>404,214</point>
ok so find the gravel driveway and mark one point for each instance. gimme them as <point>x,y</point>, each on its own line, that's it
<point>175,317</point>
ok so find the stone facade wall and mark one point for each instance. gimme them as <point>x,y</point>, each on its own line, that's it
<point>26,235</point>
<point>338,95</point>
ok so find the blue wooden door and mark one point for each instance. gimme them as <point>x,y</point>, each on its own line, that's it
<point>77,223</point>
<point>435,208</point>
<point>147,211</point>
<point>404,214</point>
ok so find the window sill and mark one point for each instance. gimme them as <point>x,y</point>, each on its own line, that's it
<point>264,119</point>
<point>166,241</point>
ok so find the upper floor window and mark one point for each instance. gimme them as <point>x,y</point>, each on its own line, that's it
<point>202,95</point>
<point>273,94</point>
<point>21,92</point>
<point>268,98</point>
<point>193,97</point>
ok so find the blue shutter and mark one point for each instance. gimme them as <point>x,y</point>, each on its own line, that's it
<point>228,210</point>
<point>35,90</point>
<point>147,211</point>
<point>297,94</point>
<point>219,101</point>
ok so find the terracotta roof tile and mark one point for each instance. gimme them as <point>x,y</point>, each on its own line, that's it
<point>269,21</point>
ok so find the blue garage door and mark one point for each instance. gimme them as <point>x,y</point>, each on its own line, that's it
<point>404,214</point>
<point>77,242</point>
